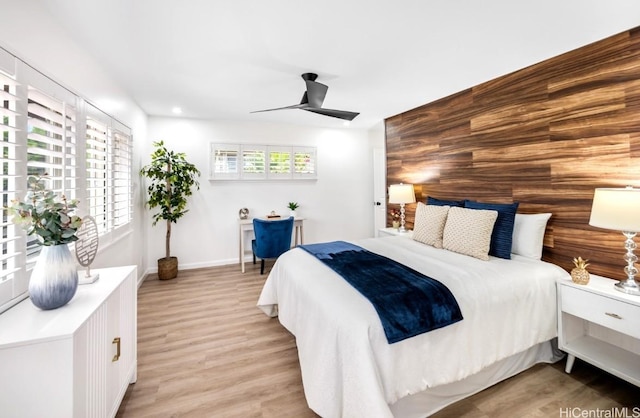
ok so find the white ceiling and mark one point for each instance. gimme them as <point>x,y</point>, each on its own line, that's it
<point>223,59</point>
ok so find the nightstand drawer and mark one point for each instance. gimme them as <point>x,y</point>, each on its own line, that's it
<point>617,315</point>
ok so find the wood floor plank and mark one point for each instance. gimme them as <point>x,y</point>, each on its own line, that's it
<point>206,350</point>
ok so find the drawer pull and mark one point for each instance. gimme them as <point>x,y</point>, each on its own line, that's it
<point>116,341</point>
<point>613,315</point>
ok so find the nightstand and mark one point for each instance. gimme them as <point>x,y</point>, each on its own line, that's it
<point>384,232</point>
<point>601,326</point>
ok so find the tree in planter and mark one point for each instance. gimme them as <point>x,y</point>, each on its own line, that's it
<point>172,178</point>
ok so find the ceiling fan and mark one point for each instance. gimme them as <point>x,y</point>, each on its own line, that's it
<point>313,98</point>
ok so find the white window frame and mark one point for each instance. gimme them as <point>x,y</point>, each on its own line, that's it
<point>217,171</point>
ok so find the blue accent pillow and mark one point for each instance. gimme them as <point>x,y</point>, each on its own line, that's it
<point>502,236</point>
<point>440,202</point>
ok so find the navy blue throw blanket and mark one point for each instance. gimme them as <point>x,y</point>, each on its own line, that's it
<point>408,303</point>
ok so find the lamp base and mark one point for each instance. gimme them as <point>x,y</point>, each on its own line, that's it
<point>630,287</point>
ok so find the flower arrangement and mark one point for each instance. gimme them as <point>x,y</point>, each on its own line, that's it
<point>45,214</point>
<point>395,214</point>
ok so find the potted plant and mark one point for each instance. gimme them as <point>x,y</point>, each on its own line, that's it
<point>292,208</point>
<point>54,279</point>
<point>172,178</point>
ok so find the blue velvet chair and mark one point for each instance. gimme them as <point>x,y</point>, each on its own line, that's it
<point>272,239</point>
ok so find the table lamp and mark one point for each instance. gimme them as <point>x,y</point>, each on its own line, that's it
<point>402,194</point>
<point>619,209</point>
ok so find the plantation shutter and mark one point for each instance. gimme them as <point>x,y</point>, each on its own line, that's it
<point>97,143</point>
<point>254,162</point>
<point>279,162</point>
<point>13,276</point>
<point>51,142</point>
<point>122,210</point>
<point>304,163</point>
<point>224,162</point>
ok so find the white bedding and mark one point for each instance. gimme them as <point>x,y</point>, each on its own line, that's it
<point>349,369</point>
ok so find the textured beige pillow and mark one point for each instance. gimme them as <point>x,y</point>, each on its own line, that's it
<point>429,224</point>
<point>468,231</point>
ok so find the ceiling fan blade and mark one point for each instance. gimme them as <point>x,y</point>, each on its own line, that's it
<point>340,114</point>
<point>315,93</point>
<point>298,106</point>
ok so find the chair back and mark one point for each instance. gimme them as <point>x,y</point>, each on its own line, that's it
<point>272,237</point>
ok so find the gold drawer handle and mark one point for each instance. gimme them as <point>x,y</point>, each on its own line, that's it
<point>116,341</point>
<point>613,315</point>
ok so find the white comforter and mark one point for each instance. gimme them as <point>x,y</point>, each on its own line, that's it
<point>349,369</point>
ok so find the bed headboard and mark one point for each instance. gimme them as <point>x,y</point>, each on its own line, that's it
<point>545,136</point>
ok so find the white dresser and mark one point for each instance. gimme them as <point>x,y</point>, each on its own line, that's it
<point>74,361</point>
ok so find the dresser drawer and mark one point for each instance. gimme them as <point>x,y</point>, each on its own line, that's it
<point>617,315</point>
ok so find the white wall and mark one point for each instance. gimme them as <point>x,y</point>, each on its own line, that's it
<point>338,205</point>
<point>28,32</point>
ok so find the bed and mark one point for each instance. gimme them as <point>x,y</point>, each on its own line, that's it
<point>350,370</point>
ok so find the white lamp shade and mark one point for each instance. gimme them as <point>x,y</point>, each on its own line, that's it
<point>617,209</point>
<point>401,193</point>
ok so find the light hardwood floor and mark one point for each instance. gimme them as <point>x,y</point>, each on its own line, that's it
<point>205,350</point>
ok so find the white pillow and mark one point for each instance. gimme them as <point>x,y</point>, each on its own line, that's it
<point>468,231</point>
<point>528,234</point>
<point>428,226</point>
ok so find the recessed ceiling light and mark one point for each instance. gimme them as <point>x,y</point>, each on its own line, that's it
<point>177,110</point>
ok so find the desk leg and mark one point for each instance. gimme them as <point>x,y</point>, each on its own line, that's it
<point>299,237</point>
<point>241,249</point>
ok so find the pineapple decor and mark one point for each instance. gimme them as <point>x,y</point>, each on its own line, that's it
<point>579,274</point>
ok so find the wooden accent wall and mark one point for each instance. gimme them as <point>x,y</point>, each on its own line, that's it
<point>544,136</point>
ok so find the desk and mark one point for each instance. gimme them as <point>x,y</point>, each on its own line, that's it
<point>246,225</point>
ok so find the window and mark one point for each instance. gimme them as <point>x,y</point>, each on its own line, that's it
<point>259,162</point>
<point>279,162</point>
<point>85,154</point>
<point>304,162</point>
<point>122,204</point>
<point>108,172</point>
<point>254,162</point>
<point>51,148</point>
<point>224,161</point>
<point>13,278</point>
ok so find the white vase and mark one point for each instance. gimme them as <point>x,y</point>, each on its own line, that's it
<point>292,213</point>
<point>54,279</point>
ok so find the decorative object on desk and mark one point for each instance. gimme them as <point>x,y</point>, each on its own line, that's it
<point>243,213</point>
<point>54,279</point>
<point>402,194</point>
<point>395,218</point>
<point>172,178</point>
<point>292,208</point>
<point>86,249</point>
<point>273,215</point>
<point>619,210</point>
<point>579,274</point>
